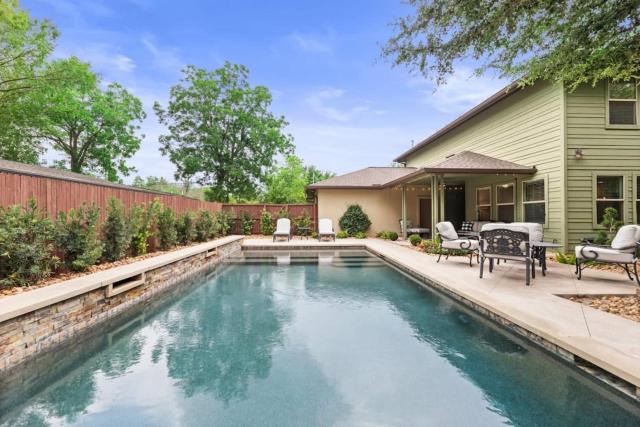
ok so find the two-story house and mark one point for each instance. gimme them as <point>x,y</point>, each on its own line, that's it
<point>534,154</point>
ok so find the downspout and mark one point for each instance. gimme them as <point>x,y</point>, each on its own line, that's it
<point>404,212</point>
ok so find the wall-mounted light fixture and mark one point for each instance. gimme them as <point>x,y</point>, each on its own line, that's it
<point>578,153</point>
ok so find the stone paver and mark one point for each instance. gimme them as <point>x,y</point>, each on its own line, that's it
<point>608,341</point>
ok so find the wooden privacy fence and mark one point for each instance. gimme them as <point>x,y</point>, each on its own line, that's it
<point>57,191</point>
<point>255,210</point>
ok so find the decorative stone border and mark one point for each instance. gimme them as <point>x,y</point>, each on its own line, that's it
<point>44,318</point>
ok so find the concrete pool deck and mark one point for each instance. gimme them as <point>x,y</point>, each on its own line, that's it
<point>610,342</point>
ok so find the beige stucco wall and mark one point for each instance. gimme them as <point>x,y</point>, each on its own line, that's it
<point>382,206</point>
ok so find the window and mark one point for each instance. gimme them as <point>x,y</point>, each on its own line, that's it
<point>483,203</point>
<point>505,202</point>
<point>609,194</point>
<point>534,201</point>
<point>622,103</point>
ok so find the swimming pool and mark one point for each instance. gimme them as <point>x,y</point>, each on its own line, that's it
<point>305,338</point>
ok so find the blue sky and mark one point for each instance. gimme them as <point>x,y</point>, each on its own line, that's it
<point>347,108</point>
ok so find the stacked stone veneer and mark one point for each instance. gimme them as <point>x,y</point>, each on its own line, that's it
<point>29,334</point>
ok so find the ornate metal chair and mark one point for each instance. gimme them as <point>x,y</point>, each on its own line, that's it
<point>623,251</point>
<point>511,244</point>
<point>450,240</point>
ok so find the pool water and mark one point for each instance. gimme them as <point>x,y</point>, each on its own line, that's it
<point>305,339</point>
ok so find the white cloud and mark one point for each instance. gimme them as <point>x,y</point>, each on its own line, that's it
<point>462,91</point>
<point>103,57</point>
<point>164,57</point>
<point>312,43</point>
<point>319,101</point>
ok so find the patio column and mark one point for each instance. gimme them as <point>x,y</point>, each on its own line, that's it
<point>404,212</point>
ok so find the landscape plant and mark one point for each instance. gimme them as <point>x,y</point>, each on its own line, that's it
<point>266,223</point>
<point>167,229</point>
<point>205,226</point>
<point>610,225</point>
<point>246,222</point>
<point>342,235</point>
<point>77,238</point>
<point>354,220</point>
<point>224,221</point>
<point>116,234</point>
<point>303,221</point>
<point>142,219</point>
<point>415,239</point>
<point>185,228</point>
<point>360,235</point>
<point>26,245</point>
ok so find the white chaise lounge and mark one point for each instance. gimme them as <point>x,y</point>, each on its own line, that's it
<point>325,229</point>
<point>450,240</point>
<point>623,251</point>
<point>283,229</point>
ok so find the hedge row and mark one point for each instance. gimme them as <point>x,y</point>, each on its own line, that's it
<point>34,246</point>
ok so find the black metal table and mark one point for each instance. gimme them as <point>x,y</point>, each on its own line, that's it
<point>540,253</point>
<point>304,232</point>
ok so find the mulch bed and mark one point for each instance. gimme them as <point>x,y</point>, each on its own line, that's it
<point>62,276</point>
<point>627,306</point>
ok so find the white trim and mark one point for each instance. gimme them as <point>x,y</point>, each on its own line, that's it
<point>545,200</point>
<point>635,101</point>
<point>594,189</point>
<point>488,187</point>
<point>511,184</point>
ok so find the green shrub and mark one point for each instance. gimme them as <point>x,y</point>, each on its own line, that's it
<point>142,219</point>
<point>116,235</point>
<point>246,223</point>
<point>431,246</point>
<point>415,240</point>
<point>266,223</point>
<point>185,228</point>
<point>360,235</point>
<point>283,213</point>
<point>354,220</point>
<point>392,235</point>
<point>26,245</point>
<point>302,221</point>
<point>342,235</point>
<point>205,226</point>
<point>166,229</point>
<point>224,221</point>
<point>381,235</point>
<point>563,258</point>
<point>77,239</point>
<point>610,225</point>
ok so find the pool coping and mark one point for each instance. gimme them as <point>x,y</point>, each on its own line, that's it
<point>19,304</point>
<point>616,365</point>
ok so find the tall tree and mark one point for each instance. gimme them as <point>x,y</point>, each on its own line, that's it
<point>95,129</point>
<point>221,131</point>
<point>560,40</point>
<point>25,44</point>
<point>286,183</point>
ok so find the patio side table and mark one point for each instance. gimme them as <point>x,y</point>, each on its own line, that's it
<point>304,232</point>
<point>540,252</point>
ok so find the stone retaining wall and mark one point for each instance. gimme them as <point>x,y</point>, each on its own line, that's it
<point>31,333</point>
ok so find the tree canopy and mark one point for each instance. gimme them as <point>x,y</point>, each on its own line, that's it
<point>286,183</point>
<point>94,129</point>
<point>575,42</point>
<point>221,131</point>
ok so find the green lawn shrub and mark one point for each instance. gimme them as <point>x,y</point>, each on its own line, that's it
<point>302,221</point>
<point>266,223</point>
<point>167,232</point>
<point>415,239</point>
<point>142,219</point>
<point>77,239</point>
<point>205,226</point>
<point>354,220</point>
<point>116,233</point>
<point>563,258</point>
<point>26,245</point>
<point>246,223</point>
<point>224,221</point>
<point>342,235</point>
<point>360,235</point>
<point>185,228</point>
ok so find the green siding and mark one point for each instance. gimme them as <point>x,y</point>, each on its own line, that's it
<point>526,128</point>
<point>608,151</point>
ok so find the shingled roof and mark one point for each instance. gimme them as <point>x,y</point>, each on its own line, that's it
<point>475,163</point>
<point>372,177</point>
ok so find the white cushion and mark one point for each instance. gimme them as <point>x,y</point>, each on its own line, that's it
<point>626,237</point>
<point>283,226</point>
<point>325,226</point>
<point>505,226</point>
<point>465,244</point>
<point>447,230</point>
<point>477,225</point>
<point>604,254</point>
<point>536,233</point>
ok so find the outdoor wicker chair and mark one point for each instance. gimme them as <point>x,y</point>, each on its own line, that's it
<point>623,251</point>
<point>450,241</point>
<point>506,244</point>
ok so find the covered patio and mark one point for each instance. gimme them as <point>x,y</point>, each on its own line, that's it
<point>469,186</point>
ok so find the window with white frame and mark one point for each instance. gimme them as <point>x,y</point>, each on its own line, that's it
<point>622,99</point>
<point>505,202</point>
<point>609,194</point>
<point>534,201</point>
<point>483,203</point>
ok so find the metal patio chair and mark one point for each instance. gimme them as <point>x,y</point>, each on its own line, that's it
<point>506,244</point>
<point>450,241</point>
